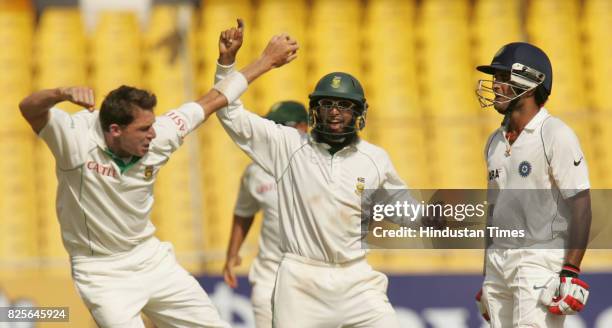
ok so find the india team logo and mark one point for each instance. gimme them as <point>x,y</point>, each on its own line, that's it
<point>336,82</point>
<point>360,185</point>
<point>524,169</point>
<point>148,173</point>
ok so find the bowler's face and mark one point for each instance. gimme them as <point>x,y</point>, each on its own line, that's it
<point>136,137</point>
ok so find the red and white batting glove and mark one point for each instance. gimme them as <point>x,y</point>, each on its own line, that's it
<point>480,304</point>
<point>568,295</point>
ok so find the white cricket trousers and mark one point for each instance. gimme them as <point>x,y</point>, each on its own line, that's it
<point>314,294</point>
<point>261,299</point>
<point>117,288</point>
<point>513,283</point>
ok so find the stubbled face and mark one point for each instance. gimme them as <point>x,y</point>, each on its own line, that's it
<point>135,138</point>
<point>336,114</point>
<point>501,103</point>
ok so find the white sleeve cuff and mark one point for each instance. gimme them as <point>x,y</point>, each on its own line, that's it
<point>225,68</point>
<point>232,87</point>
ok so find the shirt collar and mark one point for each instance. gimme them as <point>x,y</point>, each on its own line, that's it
<point>537,119</point>
<point>97,135</point>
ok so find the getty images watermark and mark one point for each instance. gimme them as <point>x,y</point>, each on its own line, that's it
<point>477,218</point>
<point>410,215</point>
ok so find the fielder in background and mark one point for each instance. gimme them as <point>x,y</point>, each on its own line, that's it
<point>106,164</point>
<point>323,279</point>
<point>258,191</point>
<point>538,182</point>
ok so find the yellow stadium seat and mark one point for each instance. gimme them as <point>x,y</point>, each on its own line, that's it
<point>454,153</point>
<point>559,36</point>
<point>61,19</point>
<point>495,23</point>
<point>18,237</point>
<point>116,52</point>
<point>390,10</point>
<point>322,10</point>
<point>51,246</point>
<point>447,89</point>
<point>596,20</point>
<point>65,65</point>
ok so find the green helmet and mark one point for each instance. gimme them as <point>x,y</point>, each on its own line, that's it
<point>338,85</point>
<point>287,113</point>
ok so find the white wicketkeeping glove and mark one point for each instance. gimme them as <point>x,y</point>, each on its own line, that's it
<point>567,295</point>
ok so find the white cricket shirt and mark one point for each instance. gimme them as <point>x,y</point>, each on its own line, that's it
<point>319,194</point>
<point>103,210</point>
<point>258,192</point>
<point>530,181</point>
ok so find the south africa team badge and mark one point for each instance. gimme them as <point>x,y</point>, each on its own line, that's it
<point>336,81</point>
<point>360,186</point>
<point>148,173</point>
<point>524,169</point>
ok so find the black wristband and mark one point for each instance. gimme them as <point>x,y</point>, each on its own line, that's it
<point>569,270</point>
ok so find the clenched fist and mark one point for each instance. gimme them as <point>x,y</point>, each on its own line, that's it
<point>230,42</point>
<point>82,96</point>
<point>281,49</point>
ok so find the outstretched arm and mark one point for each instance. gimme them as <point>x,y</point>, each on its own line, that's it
<point>262,140</point>
<point>280,50</point>
<point>35,107</point>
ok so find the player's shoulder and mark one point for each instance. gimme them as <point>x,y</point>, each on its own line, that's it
<point>554,128</point>
<point>82,120</point>
<point>293,135</point>
<point>375,153</point>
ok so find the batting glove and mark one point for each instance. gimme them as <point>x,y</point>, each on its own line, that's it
<point>480,304</point>
<point>569,293</point>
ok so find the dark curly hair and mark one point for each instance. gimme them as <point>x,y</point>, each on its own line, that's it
<point>119,105</point>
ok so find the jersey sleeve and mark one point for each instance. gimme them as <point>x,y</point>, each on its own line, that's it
<point>66,135</point>
<point>266,143</point>
<point>567,163</point>
<point>172,127</point>
<point>246,204</point>
<point>393,189</point>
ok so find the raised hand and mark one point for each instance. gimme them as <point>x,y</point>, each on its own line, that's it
<point>230,42</point>
<point>82,96</point>
<point>281,49</point>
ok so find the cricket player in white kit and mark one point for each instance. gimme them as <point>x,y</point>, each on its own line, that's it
<point>538,182</point>
<point>324,279</point>
<point>258,192</point>
<point>106,165</point>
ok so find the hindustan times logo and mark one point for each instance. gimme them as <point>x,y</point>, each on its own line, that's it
<point>413,211</point>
